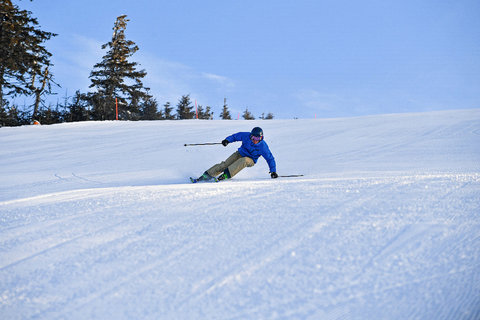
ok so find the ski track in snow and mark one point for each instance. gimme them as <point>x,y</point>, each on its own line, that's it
<point>400,241</point>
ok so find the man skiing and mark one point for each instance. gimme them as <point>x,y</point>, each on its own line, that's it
<point>253,146</point>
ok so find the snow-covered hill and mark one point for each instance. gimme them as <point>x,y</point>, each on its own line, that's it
<point>98,221</point>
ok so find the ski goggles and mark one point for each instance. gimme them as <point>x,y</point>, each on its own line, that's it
<point>255,138</point>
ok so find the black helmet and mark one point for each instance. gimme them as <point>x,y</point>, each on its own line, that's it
<point>257,134</point>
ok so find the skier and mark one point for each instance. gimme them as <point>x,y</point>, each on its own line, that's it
<point>253,146</point>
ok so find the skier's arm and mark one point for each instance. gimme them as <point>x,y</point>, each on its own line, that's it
<point>268,156</point>
<point>235,137</point>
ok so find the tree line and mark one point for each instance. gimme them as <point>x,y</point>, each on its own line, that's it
<point>116,82</point>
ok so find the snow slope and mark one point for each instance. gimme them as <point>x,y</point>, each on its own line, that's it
<point>97,221</point>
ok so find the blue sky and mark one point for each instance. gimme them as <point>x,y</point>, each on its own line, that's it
<point>324,58</point>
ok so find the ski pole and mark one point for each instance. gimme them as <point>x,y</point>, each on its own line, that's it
<point>201,144</point>
<point>291,176</point>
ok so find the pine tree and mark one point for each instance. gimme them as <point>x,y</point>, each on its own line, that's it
<point>149,110</point>
<point>225,115</point>
<point>208,114</point>
<point>184,108</point>
<point>247,115</point>
<point>78,109</point>
<point>269,116</point>
<point>167,112</point>
<point>10,116</point>
<point>116,77</point>
<point>205,115</point>
<point>3,115</point>
<point>48,115</point>
<point>22,54</point>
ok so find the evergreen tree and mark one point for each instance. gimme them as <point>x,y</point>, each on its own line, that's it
<point>149,110</point>
<point>184,108</point>
<point>95,101</point>
<point>78,110</point>
<point>205,115</point>
<point>225,115</point>
<point>208,114</point>
<point>3,115</point>
<point>167,112</point>
<point>159,113</point>
<point>269,116</point>
<point>48,115</point>
<point>9,116</point>
<point>116,77</point>
<point>22,54</point>
<point>247,115</point>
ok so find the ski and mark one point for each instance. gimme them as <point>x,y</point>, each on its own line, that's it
<point>195,180</point>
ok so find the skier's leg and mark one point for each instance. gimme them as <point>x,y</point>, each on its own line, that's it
<point>239,165</point>
<point>205,177</point>
<point>220,167</point>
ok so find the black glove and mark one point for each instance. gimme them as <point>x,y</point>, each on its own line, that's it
<point>274,175</point>
<point>225,142</point>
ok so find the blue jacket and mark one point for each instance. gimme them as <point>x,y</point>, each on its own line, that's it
<point>253,151</point>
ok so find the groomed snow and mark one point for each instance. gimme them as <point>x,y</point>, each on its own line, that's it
<point>98,221</point>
